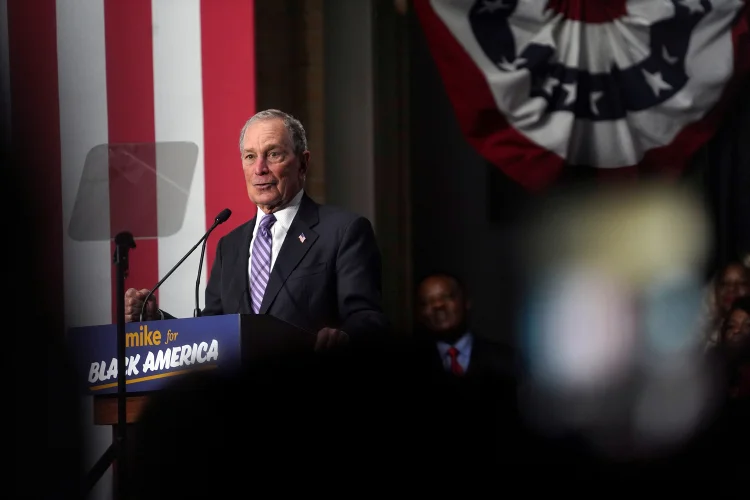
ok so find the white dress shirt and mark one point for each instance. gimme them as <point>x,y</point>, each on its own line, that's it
<point>463,345</point>
<point>284,218</point>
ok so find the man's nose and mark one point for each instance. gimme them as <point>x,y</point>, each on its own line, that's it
<point>260,167</point>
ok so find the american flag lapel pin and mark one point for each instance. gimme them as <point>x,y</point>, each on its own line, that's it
<point>302,238</point>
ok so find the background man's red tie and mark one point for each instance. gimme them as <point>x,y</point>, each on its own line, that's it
<point>455,367</point>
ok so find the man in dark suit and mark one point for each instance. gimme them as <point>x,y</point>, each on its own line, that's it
<point>443,331</point>
<point>480,370</point>
<point>315,266</point>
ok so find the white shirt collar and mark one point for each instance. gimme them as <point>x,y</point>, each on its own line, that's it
<point>285,216</point>
<point>463,344</point>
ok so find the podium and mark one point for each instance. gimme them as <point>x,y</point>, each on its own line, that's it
<point>159,352</point>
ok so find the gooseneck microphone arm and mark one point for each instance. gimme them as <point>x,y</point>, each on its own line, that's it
<point>197,310</point>
<point>221,218</point>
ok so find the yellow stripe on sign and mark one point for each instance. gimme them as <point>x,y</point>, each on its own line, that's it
<point>152,377</point>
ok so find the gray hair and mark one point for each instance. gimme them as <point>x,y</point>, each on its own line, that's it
<point>293,126</point>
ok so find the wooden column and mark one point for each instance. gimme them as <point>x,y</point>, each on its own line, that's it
<point>392,160</point>
<point>289,75</point>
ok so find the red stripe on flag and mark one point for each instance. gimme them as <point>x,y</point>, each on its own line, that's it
<point>130,110</point>
<point>35,125</point>
<point>228,54</point>
<point>590,12</point>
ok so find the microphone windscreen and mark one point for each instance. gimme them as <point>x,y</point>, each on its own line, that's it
<point>223,216</point>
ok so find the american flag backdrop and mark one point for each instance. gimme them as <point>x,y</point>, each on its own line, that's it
<point>618,87</point>
<point>82,73</point>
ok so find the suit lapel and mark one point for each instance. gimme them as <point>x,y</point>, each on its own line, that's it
<point>292,250</point>
<point>240,284</point>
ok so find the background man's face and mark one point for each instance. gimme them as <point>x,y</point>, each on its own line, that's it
<point>733,284</point>
<point>737,326</point>
<point>274,174</point>
<point>441,306</point>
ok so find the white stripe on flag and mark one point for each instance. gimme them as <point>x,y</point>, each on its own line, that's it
<point>83,125</point>
<point>87,266</point>
<point>178,103</point>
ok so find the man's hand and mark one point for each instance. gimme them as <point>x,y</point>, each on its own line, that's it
<point>329,338</point>
<point>134,304</point>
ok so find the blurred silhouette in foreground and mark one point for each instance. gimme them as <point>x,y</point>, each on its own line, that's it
<point>609,336</point>
<point>48,430</point>
<point>374,414</point>
<point>614,384</point>
<point>374,418</point>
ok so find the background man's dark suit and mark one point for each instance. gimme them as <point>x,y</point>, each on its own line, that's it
<point>488,358</point>
<point>332,278</point>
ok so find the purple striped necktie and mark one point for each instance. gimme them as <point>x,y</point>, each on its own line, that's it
<point>260,262</point>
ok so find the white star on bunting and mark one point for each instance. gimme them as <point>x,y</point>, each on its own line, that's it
<point>505,65</point>
<point>570,89</point>
<point>693,5</point>
<point>656,82</point>
<point>594,98</point>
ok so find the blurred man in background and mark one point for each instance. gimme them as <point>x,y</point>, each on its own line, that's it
<point>443,326</point>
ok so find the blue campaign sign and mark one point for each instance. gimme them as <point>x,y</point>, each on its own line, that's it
<point>156,351</point>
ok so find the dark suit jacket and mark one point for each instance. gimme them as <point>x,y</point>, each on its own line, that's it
<point>332,279</point>
<point>489,359</point>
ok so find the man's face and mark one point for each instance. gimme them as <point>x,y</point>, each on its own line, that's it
<point>441,306</point>
<point>273,173</point>
<point>733,284</point>
<point>737,326</point>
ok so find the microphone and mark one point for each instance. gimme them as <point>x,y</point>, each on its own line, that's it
<point>222,217</point>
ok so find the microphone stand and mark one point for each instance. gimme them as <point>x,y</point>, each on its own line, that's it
<point>115,453</point>
<point>197,310</point>
<point>156,287</point>
<point>220,219</point>
<point>123,243</point>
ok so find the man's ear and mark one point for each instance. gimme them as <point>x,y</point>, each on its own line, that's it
<point>304,162</point>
